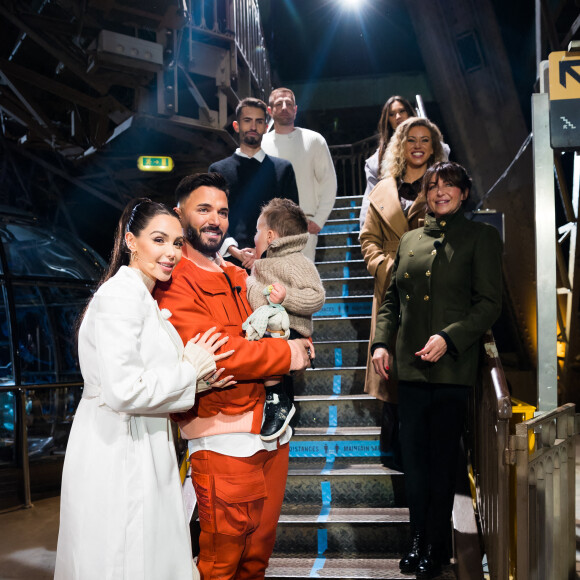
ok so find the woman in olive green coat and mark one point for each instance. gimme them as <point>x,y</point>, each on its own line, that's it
<point>445,292</point>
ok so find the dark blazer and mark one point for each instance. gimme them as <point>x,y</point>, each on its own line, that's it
<point>447,277</point>
<point>253,184</point>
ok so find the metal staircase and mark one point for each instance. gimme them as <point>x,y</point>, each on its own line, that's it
<point>344,514</point>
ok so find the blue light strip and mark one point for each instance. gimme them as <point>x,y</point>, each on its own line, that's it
<point>338,357</point>
<point>346,272</point>
<point>332,419</point>
<point>347,256</point>
<point>325,511</point>
<point>336,384</point>
<point>345,289</point>
<point>318,563</point>
<point>322,537</point>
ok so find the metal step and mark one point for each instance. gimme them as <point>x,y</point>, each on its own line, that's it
<point>360,286</point>
<point>347,211</point>
<point>344,531</point>
<point>330,381</point>
<point>326,238</point>
<point>341,225</point>
<point>347,269</point>
<point>337,411</point>
<point>334,253</point>
<point>351,328</point>
<point>347,485</point>
<point>338,353</point>
<point>347,201</point>
<point>337,568</point>
<point>346,306</point>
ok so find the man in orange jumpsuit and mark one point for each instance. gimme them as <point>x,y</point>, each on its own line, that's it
<point>239,479</point>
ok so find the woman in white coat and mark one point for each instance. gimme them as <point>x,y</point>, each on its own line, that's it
<point>122,515</point>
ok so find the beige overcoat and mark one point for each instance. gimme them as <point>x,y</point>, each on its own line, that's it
<point>384,225</point>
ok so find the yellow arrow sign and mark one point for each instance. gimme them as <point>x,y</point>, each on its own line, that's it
<point>564,73</point>
<point>145,163</point>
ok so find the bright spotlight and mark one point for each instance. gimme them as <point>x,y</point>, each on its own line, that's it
<point>352,4</point>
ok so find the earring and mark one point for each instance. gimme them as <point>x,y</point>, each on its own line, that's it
<point>134,255</point>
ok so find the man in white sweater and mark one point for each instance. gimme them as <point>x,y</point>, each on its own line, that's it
<point>310,158</point>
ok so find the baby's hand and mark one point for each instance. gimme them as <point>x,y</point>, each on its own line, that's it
<point>277,293</point>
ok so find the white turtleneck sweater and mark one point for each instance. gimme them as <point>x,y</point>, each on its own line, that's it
<point>313,167</point>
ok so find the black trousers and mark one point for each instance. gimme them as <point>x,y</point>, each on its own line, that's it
<point>431,422</point>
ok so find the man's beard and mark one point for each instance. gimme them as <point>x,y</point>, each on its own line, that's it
<point>208,249</point>
<point>251,140</point>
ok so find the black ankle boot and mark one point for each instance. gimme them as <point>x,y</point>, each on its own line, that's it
<point>410,561</point>
<point>430,564</point>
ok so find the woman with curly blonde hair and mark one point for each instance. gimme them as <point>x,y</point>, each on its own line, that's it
<point>397,204</point>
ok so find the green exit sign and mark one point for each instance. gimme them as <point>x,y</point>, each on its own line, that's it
<point>145,163</point>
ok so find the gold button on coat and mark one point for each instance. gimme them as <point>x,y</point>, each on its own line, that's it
<point>428,273</point>
<point>426,297</point>
<point>407,297</point>
<point>411,253</point>
<point>434,252</point>
<point>406,275</point>
<point>443,223</point>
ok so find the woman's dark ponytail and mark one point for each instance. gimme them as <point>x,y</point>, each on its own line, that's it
<point>135,218</point>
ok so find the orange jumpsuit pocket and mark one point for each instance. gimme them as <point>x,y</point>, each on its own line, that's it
<point>227,503</point>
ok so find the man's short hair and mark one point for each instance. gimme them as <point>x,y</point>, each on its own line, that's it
<point>284,217</point>
<point>276,92</point>
<point>192,182</point>
<point>251,102</point>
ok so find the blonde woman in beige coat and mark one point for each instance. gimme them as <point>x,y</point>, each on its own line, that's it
<point>397,205</point>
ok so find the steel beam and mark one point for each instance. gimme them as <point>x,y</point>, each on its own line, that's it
<point>545,219</point>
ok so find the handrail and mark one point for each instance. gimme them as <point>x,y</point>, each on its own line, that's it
<point>42,386</point>
<point>237,21</point>
<point>349,164</point>
<point>500,387</point>
<point>21,428</point>
<point>491,415</point>
<point>544,453</point>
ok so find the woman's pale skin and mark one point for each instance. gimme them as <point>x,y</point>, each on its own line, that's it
<point>443,199</point>
<point>155,252</point>
<point>397,114</point>
<point>418,151</point>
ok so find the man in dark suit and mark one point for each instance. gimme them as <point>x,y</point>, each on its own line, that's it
<point>253,178</point>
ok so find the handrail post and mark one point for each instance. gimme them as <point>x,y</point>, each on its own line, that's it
<point>22,446</point>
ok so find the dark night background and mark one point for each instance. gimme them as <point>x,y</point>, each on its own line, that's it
<point>308,41</point>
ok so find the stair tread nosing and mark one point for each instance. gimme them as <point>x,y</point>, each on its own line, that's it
<point>335,369</point>
<point>314,398</point>
<point>365,469</point>
<point>338,432</point>
<point>341,568</point>
<point>357,515</point>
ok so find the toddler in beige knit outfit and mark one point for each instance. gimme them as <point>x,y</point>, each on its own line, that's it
<point>282,234</point>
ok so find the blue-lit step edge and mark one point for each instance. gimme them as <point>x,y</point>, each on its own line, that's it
<point>330,381</point>
<point>345,306</point>
<point>334,411</point>
<point>341,226</point>
<point>337,253</point>
<point>343,287</point>
<point>337,568</point>
<point>341,328</point>
<point>340,268</point>
<point>338,353</point>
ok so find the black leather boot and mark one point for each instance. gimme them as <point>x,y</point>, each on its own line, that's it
<point>410,561</point>
<point>430,563</point>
